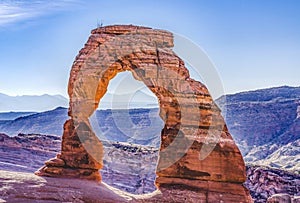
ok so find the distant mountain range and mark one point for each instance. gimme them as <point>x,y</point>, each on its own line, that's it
<point>266,125</point>
<point>31,103</point>
<point>48,123</point>
<point>13,115</point>
<point>28,104</point>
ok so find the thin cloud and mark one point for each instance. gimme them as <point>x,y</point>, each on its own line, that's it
<point>16,11</point>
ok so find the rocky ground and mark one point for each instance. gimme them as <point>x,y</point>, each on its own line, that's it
<point>264,182</point>
<point>26,153</point>
<point>21,187</point>
<point>133,163</point>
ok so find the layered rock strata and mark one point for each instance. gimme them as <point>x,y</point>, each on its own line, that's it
<point>197,152</point>
<point>264,182</point>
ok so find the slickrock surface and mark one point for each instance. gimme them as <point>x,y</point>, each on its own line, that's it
<point>26,187</point>
<point>197,152</point>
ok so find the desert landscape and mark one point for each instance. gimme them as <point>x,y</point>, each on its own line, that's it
<point>143,114</point>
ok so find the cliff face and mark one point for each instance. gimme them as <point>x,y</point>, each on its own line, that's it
<point>197,153</point>
<point>265,124</point>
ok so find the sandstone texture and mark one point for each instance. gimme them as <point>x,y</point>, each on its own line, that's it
<point>197,153</point>
<point>20,187</point>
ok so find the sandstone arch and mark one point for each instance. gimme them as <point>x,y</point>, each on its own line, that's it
<point>191,118</point>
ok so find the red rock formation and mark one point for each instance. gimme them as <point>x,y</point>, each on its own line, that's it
<point>197,151</point>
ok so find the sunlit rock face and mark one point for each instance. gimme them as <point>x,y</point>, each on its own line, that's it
<point>197,153</point>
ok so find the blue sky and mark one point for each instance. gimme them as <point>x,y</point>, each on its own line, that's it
<point>253,44</point>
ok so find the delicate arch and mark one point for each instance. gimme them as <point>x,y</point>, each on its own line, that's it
<point>191,118</point>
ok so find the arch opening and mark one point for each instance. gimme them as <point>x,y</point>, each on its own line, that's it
<point>126,111</point>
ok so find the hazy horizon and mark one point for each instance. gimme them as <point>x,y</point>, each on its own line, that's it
<point>140,99</point>
<point>66,96</point>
